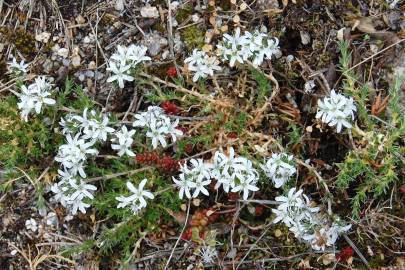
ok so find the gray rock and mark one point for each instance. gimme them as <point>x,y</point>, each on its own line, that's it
<point>268,4</point>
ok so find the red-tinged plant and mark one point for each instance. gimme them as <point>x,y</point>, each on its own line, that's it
<point>170,107</point>
<point>232,135</point>
<point>147,158</point>
<point>168,164</point>
<point>164,163</point>
<point>402,190</point>
<point>171,72</point>
<point>259,210</point>
<point>187,234</point>
<point>199,222</point>
<point>344,254</point>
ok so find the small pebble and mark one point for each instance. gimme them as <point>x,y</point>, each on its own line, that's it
<point>63,52</point>
<point>149,12</point>
<point>76,60</point>
<point>195,18</point>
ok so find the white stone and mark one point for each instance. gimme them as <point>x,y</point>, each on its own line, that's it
<point>195,18</point>
<point>119,5</point>
<point>305,37</point>
<point>92,65</point>
<point>43,37</point>
<point>63,52</point>
<point>76,60</point>
<point>149,12</point>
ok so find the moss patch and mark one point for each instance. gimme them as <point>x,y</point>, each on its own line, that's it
<point>22,40</point>
<point>193,37</point>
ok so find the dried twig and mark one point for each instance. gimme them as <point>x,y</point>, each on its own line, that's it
<point>110,176</point>
<point>178,239</point>
<point>350,242</point>
<point>186,91</point>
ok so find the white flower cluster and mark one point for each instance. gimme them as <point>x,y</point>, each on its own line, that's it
<point>71,190</point>
<point>123,62</point>
<point>92,125</point>
<point>306,222</point>
<point>234,48</point>
<point>255,47</point>
<point>279,168</point>
<point>122,141</point>
<point>16,68</point>
<point>136,200</point>
<point>82,133</point>
<point>33,97</point>
<point>73,154</point>
<point>201,64</point>
<point>157,125</point>
<point>336,110</point>
<point>235,174</point>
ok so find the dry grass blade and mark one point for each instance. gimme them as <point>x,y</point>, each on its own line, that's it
<point>379,105</point>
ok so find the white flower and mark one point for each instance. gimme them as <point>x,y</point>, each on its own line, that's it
<point>195,57</point>
<point>246,185</point>
<point>172,129</point>
<point>230,161</point>
<point>279,168</point>
<point>208,254</point>
<point>73,154</point>
<point>101,129</point>
<point>158,126</point>
<point>34,96</point>
<point>78,204</point>
<point>132,55</point>
<point>94,127</point>
<point>202,65</point>
<point>309,86</point>
<point>229,171</point>
<point>282,216</point>
<point>18,68</point>
<point>31,224</point>
<point>256,47</point>
<point>84,122</point>
<point>185,185</point>
<point>292,199</point>
<point>336,110</point>
<point>306,222</point>
<point>200,184</point>
<point>124,61</point>
<point>122,55</point>
<point>334,231</point>
<point>157,134</point>
<point>137,54</point>
<point>201,168</point>
<point>81,190</point>
<point>136,200</point>
<point>71,191</point>
<point>124,139</point>
<point>121,73</point>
